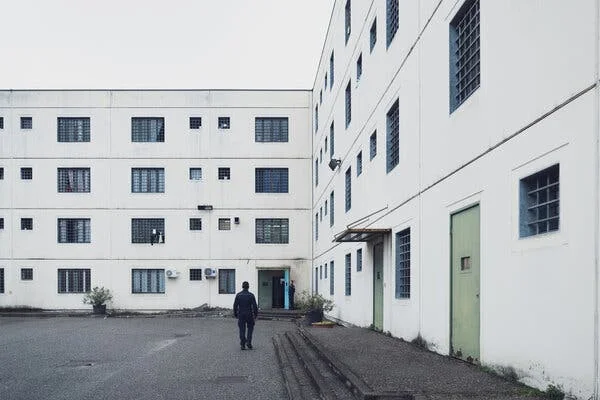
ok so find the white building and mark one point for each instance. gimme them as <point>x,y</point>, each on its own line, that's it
<point>455,123</point>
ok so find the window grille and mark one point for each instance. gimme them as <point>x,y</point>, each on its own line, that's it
<point>373,145</point>
<point>403,264</point>
<point>26,274</point>
<point>224,224</point>
<point>317,280</point>
<point>271,180</point>
<point>272,230</point>
<point>26,123</point>
<point>1,280</point>
<point>73,180</point>
<point>359,68</point>
<point>325,208</point>
<point>321,96</point>
<point>316,118</point>
<point>331,279</point>
<point>195,122</point>
<point>348,19</point>
<point>271,129</point>
<point>74,230</point>
<point>331,209</point>
<point>147,129</point>
<point>348,104</point>
<point>359,163</point>
<point>464,53</point>
<point>224,174</point>
<point>1,223</point>
<point>226,281</point>
<point>326,144</point>
<point>2,121</point>
<point>316,227</point>
<point>195,174</point>
<point>320,271</point>
<point>147,280</point>
<point>147,180</point>
<point>195,274</point>
<point>75,280</point>
<point>348,275</point>
<point>27,173</point>
<point>331,64</point>
<point>224,123</point>
<point>540,202</point>
<point>393,137</point>
<point>1,173</point>
<point>325,87</point>
<point>142,230</point>
<point>195,224</point>
<point>359,260</point>
<point>321,214</point>
<point>317,172</point>
<point>392,18</point>
<point>373,35</point>
<point>348,189</point>
<point>331,140</point>
<point>73,129</point>
<point>26,224</point>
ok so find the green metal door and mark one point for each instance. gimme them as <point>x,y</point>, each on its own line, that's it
<point>378,286</point>
<point>465,284</point>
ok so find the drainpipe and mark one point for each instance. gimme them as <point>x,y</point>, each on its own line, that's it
<point>596,195</point>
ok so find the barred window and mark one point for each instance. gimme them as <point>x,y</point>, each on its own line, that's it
<point>321,96</point>
<point>224,174</point>
<point>226,281</point>
<point>147,180</point>
<point>393,137</point>
<point>403,264</point>
<point>348,20</point>
<point>147,129</point>
<point>26,224</point>
<point>317,172</point>
<point>331,62</point>
<point>195,274</point>
<point>325,87</point>
<point>224,122</point>
<point>539,205</point>
<point>331,139</point>
<point>373,145</point>
<point>273,230</point>
<point>74,230</point>
<point>392,18</point>
<point>359,163</point>
<point>1,122</point>
<point>73,180</point>
<point>27,173</point>
<point>325,208</point>
<point>1,173</point>
<point>325,144</point>
<point>142,230</point>
<point>464,53</point>
<point>26,274</point>
<point>359,68</point>
<point>348,189</point>
<point>73,129</point>
<point>271,129</point>
<point>195,174</point>
<point>316,226</point>
<point>373,35</point>
<point>1,280</point>
<point>331,279</point>
<point>316,118</point>
<point>348,275</point>
<point>26,123</point>
<point>359,260</point>
<point>148,280</point>
<point>195,122</point>
<point>1,223</point>
<point>331,209</point>
<point>195,224</point>
<point>74,280</point>
<point>224,224</point>
<point>271,180</point>
<point>320,271</point>
<point>348,104</point>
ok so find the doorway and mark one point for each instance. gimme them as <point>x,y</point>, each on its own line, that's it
<point>378,286</point>
<point>272,286</point>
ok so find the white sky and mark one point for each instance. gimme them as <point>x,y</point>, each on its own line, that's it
<point>188,44</point>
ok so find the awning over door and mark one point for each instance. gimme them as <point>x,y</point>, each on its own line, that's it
<point>360,234</point>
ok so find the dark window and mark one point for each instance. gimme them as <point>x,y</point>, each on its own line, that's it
<point>321,96</point>
<point>331,140</point>
<point>359,260</point>
<point>316,118</point>
<point>147,230</point>
<point>147,281</point>
<point>392,18</point>
<point>320,272</point>
<point>147,180</point>
<point>26,173</point>
<point>373,145</point>
<point>326,144</point>
<point>317,172</point>
<point>331,209</point>
<point>1,280</point>
<point>271,180</point>
<point>224,174</point>
<point>331,279</point>
<point>195,224</point>
<point>464,53</point>
<point>1,122</point>
<point>348,275</point>
<point>348,189</point>
<point>26,122</point>
<point>26,224</point>
<point>373,35</point>
<point>331,63</point>
<point>273,230</point>
<point>26,274</point>
<point>348,19</point>
<point>147,129</point>
<point>1,173</point>
<point>74,280</point>
<point>195,174</point>
<point>348,104</point>
<point>74,230</point>
<point>325,81</point>
<point>73,180</point>
<point>539,203</point>
<point>224,224</point>
<point>359,68</point>
<point>316,226</point>
<point>271,129</point>
<point>403,264</point>
<point>1,223</point>
<point>325,208</point>
<point>73,129</point>
<point>226,281</point>
<point>195,274</point>
<point>393,137</point>
<point>359,163</point>
<point>224,123</point>
<point>195,122</point>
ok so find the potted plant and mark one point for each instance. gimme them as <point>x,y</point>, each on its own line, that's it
<point>314,305</point>
<point>98,298</point>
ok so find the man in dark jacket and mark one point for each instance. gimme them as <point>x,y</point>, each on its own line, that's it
<point>245,310</point>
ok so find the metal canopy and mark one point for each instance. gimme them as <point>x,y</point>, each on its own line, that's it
<point>360,235</point>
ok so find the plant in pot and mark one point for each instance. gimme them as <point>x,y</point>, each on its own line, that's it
<point>98,297</point>
<point>314,305</point>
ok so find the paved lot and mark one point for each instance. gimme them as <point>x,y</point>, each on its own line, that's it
<point>136,358</point>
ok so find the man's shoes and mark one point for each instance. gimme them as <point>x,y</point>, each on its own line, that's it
<point>244,347</point>
<point>249,346</point>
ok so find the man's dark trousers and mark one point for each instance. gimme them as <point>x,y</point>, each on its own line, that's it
<point>246,320</point>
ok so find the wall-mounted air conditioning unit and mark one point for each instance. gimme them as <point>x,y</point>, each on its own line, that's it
<point>210,273</point>
<point>172,273</point>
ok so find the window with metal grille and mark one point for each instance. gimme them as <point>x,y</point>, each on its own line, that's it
<point>147,180</point>
<point>331,209</point>
<point>321,96</point>
<point>272,230</point>
<point>224,173</point>
<point>147,129</point>
<point>359,260</point>
<point>316,226</point>
<point>348,19</point>
<point>317,172</point>
<point>539,203</point>
<point>271,129</point>
<point>464,53</point>
<point>331,279</point>
<point>348,189</point>
<point>224,224</point>
<point>271,180</point>
<point>348,275</point>
<point>359,163</point>
<point>26,274</point>
<point>317,280</point>
<point>195,174</point>
<point>195,122</point>
<point>1,173</point>
<point>331,139</point>
<point>224,123</point>
<point>1,223</point>
<point>195,224</point>
<point>373,145</point>
<point>316,118</point>
<point>147,230</point>
<point>26,123</point>
<point>71,129</point>
<point>226,281</point>
<point>74,230</point>
<point>359,68</point>
<point>393,137</point>
<point>74,280</point>
<point>148,280</point>
<point>26,173</point>
<point>320,271</point>
<point>73,180</point>
<point>2,121</point>
<point>1,280</point>
<point>195,274</point>
<point>325,208</point>
<point>325,145</point>
<point>26,224</point>
<point>348,104</point>
<point>392,20</point>
<point>325,87</point>
<point>373,35</point>
<point>403,264</point>
<point>331,63</point>
<point>321,213</point>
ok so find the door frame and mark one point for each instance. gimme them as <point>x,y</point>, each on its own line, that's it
<point>375,244</point>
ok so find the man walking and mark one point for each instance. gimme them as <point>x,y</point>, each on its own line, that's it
<point>245,310</point>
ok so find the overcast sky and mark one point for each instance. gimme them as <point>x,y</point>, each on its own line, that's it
<point>77,44</point>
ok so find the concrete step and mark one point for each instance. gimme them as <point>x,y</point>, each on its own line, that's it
<point>298,384</point>
<point>279,313</point>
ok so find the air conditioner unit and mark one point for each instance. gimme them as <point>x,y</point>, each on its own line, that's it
<point>172,273</point>
<point>210,273</point>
